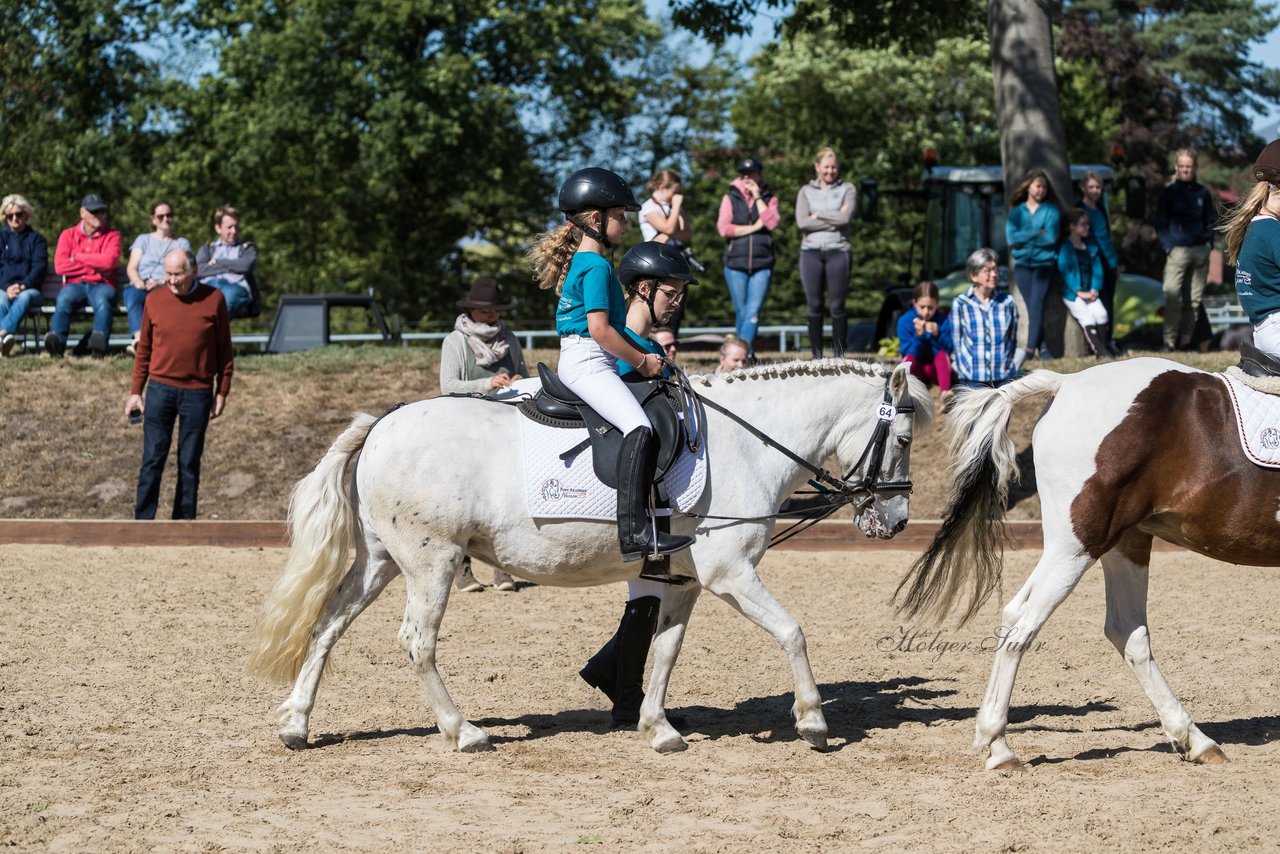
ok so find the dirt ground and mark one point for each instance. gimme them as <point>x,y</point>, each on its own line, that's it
<point>127,721</point>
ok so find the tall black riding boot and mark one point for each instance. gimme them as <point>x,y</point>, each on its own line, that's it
<point>635,480</point>
<point>839,334</point>
<point>815,336</point>
<point>601,670</point>
<point>1096,342</point>
<point>635,633</point>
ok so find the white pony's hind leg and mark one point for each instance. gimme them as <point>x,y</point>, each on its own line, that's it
<point>370,573</point>
<point>742,588</point>
<point>429,573</point>
<point>1053,579</point>
<point>673,619</point>
<point>1126,628</point>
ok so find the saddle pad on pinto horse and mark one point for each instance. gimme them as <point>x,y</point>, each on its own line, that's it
<point>569,489</point>
<point>1258,416</point>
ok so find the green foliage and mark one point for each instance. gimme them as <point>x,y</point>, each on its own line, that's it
<point>879,108</point>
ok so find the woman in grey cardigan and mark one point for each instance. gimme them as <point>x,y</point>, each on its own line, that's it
<point>824,208</point>
<point>480,356</point>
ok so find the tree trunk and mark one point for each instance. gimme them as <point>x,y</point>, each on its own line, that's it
<point>1031,130</point>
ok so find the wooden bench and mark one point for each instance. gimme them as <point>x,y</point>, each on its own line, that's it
<point>30,328</point>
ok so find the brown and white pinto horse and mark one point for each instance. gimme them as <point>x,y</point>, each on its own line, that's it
<point>1124,452</point>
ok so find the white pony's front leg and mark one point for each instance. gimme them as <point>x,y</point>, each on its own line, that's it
<point>429,574</point>
<point>742,588</point>
<point>1053,579</point>
<point>673,619</point>
<point>372,570</point>
<point>1126,628</point>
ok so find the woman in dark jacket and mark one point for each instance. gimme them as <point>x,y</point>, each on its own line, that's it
<point>24,257</point>
<point>748,213</point>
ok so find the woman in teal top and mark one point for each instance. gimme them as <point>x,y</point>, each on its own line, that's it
<point>655,276</point>
<point>591,318</point>
<point>1253,246</point>
<point>1032,233</point>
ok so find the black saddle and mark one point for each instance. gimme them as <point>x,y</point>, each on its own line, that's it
<point>558,405</point>
<point>1256,363</point>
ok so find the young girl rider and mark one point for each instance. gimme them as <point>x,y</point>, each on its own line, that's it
<point>655,276</point>
<point>591,320</point>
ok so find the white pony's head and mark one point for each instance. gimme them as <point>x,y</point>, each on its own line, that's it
<point>885,470</point>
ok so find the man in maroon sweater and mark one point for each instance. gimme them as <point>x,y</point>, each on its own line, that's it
<point>184,360</point>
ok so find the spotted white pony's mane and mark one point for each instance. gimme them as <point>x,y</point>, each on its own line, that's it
<point>796,367</point>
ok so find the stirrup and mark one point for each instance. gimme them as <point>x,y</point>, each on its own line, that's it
<point>661,572</point>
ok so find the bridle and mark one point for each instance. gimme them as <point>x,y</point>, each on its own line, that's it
<point>853,489</point>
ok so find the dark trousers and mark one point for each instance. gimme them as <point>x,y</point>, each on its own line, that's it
<point>166,404</point>
<point>1035,283</point>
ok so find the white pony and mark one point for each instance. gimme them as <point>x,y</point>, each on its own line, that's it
<point>439,479</point>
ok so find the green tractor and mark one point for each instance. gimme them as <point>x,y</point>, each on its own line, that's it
<point>965,210</point>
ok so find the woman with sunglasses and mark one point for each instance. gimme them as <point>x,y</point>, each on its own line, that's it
<point>146,264</point>
<point>654,276</point>
<point>24,257</point>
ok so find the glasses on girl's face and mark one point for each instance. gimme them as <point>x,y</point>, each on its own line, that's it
<point>673,296</point>
<point>164,216</point>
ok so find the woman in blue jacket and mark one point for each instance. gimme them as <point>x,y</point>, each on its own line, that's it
<point>1032,234</point>
<point>1080,263</point>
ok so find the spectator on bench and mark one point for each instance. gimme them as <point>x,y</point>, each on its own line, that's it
<point>227,263</point>
<point>88,256</point>
<point>24,257</point>
<point>184,361</point>
<point>146,265</point>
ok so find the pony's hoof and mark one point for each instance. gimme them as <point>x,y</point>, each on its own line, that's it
<point>670,744</point>
<point>294,741</point>
<point>816,739</point>
<point>1010,766</point>
<point>475,745</point>
<point>1212,756</point>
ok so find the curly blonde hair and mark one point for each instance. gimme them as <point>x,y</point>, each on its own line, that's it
<point>552,252</point>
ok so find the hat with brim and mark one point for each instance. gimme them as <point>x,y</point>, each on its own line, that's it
<point>484,293</point>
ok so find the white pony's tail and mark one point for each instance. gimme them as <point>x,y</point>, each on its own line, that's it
<point>969,545</point>
<point>322,528</point>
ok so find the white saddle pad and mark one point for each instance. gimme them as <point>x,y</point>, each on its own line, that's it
<point>1258,417</point>
<point>569,489</point>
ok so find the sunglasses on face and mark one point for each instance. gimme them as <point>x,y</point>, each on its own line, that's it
<point>669,347</point>
<point>16,215</point>
<point>673,296</point>
<point>164,216</point>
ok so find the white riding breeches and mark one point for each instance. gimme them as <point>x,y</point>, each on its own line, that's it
<point>1266,335</point>
<point>1087,313</point>
<point>591,373</point>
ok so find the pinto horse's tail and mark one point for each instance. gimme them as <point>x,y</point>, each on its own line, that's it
<point>969,545</point>
<point>322,529</point>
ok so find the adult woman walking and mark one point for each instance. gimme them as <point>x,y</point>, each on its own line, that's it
<point>655,277</point>
<point>146,265</point>
<point>824,207</point>
<point>1253,247</point>
<point>748,213</point>
<point>1032,233</point>
<point>24,257</point>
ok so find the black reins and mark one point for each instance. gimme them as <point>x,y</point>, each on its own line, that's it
<point>835,492</point>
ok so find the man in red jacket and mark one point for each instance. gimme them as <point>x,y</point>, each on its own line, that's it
<point>88,259</point>
<point>184,360</point>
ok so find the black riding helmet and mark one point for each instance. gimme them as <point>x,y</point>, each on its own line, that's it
<point>598,189</point>
<point>654,261</point>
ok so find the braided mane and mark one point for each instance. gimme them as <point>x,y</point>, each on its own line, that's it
<point>797,367</point>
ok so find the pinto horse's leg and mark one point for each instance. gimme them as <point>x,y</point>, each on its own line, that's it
<point>1125,568</point>
<point>428,574</point>
<point>1055,576</point>
<point>673,619</point>
<point>742,588</point>
<point>370,573</point>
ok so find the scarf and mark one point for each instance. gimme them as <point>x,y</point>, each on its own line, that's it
<point>488,342</point>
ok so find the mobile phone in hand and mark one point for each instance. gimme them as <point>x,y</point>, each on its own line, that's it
<point>135,416</point>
